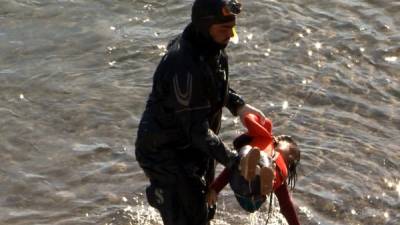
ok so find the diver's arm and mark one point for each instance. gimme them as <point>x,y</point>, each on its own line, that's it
<point>203,138</point>
<point>234,102</point>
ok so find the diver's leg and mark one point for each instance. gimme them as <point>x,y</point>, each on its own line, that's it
<point>165,200</point>
<point>192,197</point>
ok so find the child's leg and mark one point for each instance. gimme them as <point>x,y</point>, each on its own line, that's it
<point>249,158</point>
<point>266,174</point>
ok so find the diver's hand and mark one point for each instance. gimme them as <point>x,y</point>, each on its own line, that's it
<point>246,108</point>
<point>212,197</point>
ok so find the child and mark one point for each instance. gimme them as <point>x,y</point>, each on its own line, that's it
<point>267,164</point>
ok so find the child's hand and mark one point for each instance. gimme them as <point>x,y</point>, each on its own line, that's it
<point>245,109</point>
<point>212,197</point>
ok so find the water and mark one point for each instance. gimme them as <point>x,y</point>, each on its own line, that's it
<point>74,76</point>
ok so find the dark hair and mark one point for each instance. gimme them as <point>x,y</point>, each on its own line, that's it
<point>292,167</point>
<point>242,140</point>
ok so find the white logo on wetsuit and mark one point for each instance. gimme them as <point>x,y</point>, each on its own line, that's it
<point>183,97</point>
<point>159,195</point>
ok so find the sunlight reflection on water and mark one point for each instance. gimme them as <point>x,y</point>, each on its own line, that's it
<point>79,72</point>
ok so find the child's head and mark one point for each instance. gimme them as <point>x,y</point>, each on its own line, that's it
<point>242,140</point>
<point>286,146</point>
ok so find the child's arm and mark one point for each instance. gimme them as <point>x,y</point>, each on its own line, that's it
<point>217,185</point>
<point>286,204</point>
<point>221,181</point>
<point>252,123</point>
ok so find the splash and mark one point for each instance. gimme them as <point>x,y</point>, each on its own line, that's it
<point>305,210</point>
<point>162,48</point>
<point>111,48</point>
<point>261,217</point>
<point>285,105</point>
<point>398,189</point>
<point>391,59</point>
<point>318,45</point>
<point>143,214</point>
<point>134,18</point>
<point>268,53</point>
<point>250,36</point>
<point>393,185</point>
<point>386,215</point>
<point>218,222</point>
<point>148,7</point>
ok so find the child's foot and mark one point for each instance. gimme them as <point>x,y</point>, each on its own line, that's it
<point>266,174</point>
<point>266,178</point>
<point>248,163</point>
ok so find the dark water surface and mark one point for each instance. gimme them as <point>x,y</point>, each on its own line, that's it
<point>74,76</point>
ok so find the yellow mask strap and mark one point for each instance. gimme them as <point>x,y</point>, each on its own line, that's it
<point>235,38</point>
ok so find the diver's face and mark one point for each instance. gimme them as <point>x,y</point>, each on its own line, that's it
<point>222,33</point>
<point>289,152</point>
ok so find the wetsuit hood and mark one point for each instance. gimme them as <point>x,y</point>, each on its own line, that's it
<point>205,13</point>
<point>205,45</point>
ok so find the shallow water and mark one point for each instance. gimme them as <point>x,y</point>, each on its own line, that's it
<point>74,76</point>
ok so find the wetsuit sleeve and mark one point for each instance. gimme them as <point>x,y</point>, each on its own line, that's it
<point>286,205</point>
<point>203,138</point>
<point>234,102</point>
<point>221,181</point>
<point>210,174</point>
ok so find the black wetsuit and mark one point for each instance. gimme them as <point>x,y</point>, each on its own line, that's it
<point>177,140</point>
